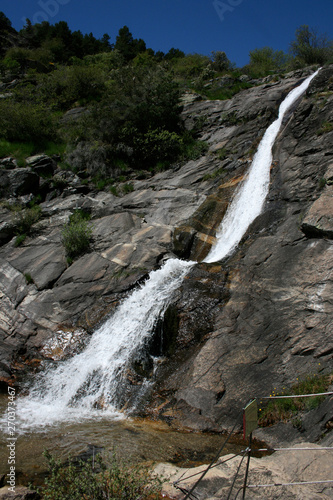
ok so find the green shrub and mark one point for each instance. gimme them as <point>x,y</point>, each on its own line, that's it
<point>224,93</point>
<point>28,278</point>
<point>97,480</point>
<point>59,182</point>
<point>322,182</point>
<point>190,65</point>
<point>192,149</point>
<point>26,122</point>
<point>325,128</point>
<point>24,219</point>
<point>265,61</point>
<point>128,188</point>
<point>70,84</point>
<point>76,235</point>
<point>20,238</point>
<point>156,145</point>
<point>284,409</point>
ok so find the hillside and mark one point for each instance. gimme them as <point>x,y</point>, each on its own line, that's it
<point>258,319</point>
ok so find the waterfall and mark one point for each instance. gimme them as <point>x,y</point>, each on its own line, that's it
<point>249,199</point>
<point>76,388</point>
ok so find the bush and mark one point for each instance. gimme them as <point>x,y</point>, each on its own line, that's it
<point>24,219</point>
<point>26,122</point>
<point>155,146</point>
<point>266,60</point>
<point>191,65</point>
<point>76,235</point>
<point>95,480</point>
<point>70,84</point>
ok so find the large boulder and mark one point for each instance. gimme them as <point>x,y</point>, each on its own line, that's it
<point>17,182</point>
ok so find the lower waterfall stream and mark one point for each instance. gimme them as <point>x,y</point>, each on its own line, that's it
<point>77,388</point>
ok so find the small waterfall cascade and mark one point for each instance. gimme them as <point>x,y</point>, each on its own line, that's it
<point>77,387</point>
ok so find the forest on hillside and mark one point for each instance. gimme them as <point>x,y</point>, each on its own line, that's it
<point>125,96</point>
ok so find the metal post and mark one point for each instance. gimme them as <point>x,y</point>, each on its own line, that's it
<point>247,465</point>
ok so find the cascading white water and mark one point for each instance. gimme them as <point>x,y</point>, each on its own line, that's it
<point>74,389</point>
<point>250,197</point>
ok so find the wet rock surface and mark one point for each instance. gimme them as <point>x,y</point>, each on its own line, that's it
<point>235,329</point>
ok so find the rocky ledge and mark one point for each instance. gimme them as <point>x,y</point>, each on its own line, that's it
<point>302,463</point>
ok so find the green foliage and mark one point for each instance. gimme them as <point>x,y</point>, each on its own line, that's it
<point>17,57</point>
<point>310,47</point>
<point>136,123</point>
<point>20,238</point>
<point>128,188</point>
<point>70,84</point>
<point>76,235</point>
<point>28,278</point>
<point>220,61</point>
<point>223,93</point>
<point>105,61</point>
<point>222,154</point>
<point>266,60</point>
<point>174,54</point>
<point>97,480</point>
<point>24,122</point>
<point>61,43</point>
<point>8,33</point>
<point>284,409</point>
<point>325,128</point>
<point>26,218</point>
<point>190,65</point>
<point>128,46</point>
<point>322,182</point>
<point>213,175</point>
<point>192,149</point>
<point>19,150</point>
<point>156,145</point>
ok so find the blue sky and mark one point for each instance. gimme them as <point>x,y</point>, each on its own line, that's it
<point>234,26</point>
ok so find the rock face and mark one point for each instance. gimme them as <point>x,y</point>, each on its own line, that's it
<point>235,329</point>
<point>276,323</point>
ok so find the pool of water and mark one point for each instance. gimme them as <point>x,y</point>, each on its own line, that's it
<point>136,440</point>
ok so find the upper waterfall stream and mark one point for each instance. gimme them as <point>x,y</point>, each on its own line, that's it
<point>78,386</point>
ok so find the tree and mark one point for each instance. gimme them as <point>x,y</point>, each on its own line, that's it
<point>220,61</point>
<point>264,60</point>
<point>174,54</point>
<point>310,47</point>
<point>105,42</point>
<point>7,34</point>
<point>127,45</point>
<point>124,43</point>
